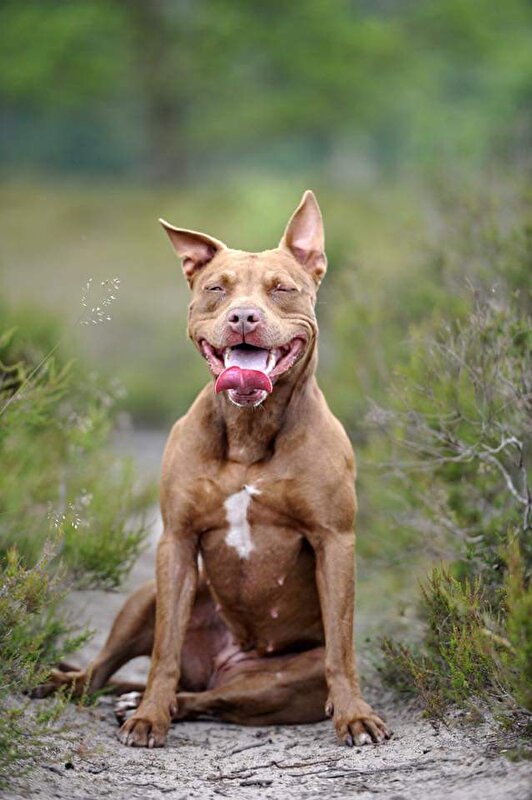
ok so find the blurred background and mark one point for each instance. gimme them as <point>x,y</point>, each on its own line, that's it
<point>216,115</point>
<point>410,120</point>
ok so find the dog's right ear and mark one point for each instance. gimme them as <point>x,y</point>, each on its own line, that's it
<point>194,249</point>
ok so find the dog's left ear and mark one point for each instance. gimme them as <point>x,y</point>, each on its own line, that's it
<point>194,249</point>
<point>304,237</point>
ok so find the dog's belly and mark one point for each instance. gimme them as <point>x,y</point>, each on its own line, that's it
<point>263,580</point>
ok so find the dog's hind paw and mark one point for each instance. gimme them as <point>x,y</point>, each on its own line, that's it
<point>73,680</point>
<point>126,705</point>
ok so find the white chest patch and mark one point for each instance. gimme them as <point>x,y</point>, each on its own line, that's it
<point>236,509</point>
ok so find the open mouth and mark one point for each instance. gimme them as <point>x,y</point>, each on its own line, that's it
<point>247,372</point>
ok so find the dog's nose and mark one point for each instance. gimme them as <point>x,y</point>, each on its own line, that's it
<point>244,320</point>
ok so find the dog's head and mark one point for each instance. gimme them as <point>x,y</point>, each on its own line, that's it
<point>252,314</point>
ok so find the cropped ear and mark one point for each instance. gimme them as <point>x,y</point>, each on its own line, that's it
<point>304,237</point>
<point>194,249</point>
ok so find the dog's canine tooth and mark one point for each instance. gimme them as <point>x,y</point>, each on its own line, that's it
<point>270,364</point>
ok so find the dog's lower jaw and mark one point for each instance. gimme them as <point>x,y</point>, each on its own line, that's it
<point>242,401</point>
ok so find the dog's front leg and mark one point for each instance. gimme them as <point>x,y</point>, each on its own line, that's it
<point>177,576</point>
<point>354,719</point>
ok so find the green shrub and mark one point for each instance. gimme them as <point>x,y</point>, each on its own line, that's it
<point>518,612</point>
<point>471,652</point>
<point>71,514</point>
<point>461,431</point>
<point>59,474</point>
<point>34,635</point>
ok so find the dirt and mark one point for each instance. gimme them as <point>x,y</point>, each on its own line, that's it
<point>214,760</point>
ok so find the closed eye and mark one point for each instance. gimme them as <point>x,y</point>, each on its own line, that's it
<point>214,288</point>
<point>282,287</point>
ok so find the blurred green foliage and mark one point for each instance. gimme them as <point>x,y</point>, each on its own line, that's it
<point>34,635</point>
<point>167,90</point>
<point>72,514</point>
<point>475,653</point>
<point>458,444</point>
<point>59,479</point>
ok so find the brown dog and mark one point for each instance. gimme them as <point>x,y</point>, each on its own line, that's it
<point>258,479</point>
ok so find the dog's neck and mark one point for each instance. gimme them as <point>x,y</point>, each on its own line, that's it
<point>251,433</point>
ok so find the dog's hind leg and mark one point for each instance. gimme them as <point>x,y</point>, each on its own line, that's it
<point>288,689</point>
<point>206,637</point>
<point>131,635</point>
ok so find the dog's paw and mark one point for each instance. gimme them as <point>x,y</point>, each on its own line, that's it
<point>356,723</point>
<point>74,681</point>
<point>126,704</point>
<point>144,729</point>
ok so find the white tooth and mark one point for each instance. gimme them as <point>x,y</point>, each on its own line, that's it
<point>270,364</point>
<point>227,353</point>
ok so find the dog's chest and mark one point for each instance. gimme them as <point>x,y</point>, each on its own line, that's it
<point>251,537</point>
<point>237,513</point>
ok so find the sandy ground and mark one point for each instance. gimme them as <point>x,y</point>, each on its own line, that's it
<point>211,760</point>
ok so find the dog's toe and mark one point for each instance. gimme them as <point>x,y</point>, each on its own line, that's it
<point>141,731</point>
<point>126,705</point>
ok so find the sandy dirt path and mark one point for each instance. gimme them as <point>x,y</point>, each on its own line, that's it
<point>215,760</point>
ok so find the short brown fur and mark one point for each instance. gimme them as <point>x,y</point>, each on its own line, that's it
<point>268,638</point>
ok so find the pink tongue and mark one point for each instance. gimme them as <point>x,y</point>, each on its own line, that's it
<point>244,380</point>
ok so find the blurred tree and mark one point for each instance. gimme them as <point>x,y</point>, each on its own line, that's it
<point>61,54</point>
<point>165,85</point>
<point>161,41</point>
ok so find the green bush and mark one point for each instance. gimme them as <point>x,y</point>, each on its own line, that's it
<point>461,432</point>
<point>58,473</point>
<point>471,652</point>
<point>71,514</point>
<point>518,617</point>
<point>34,635</point>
